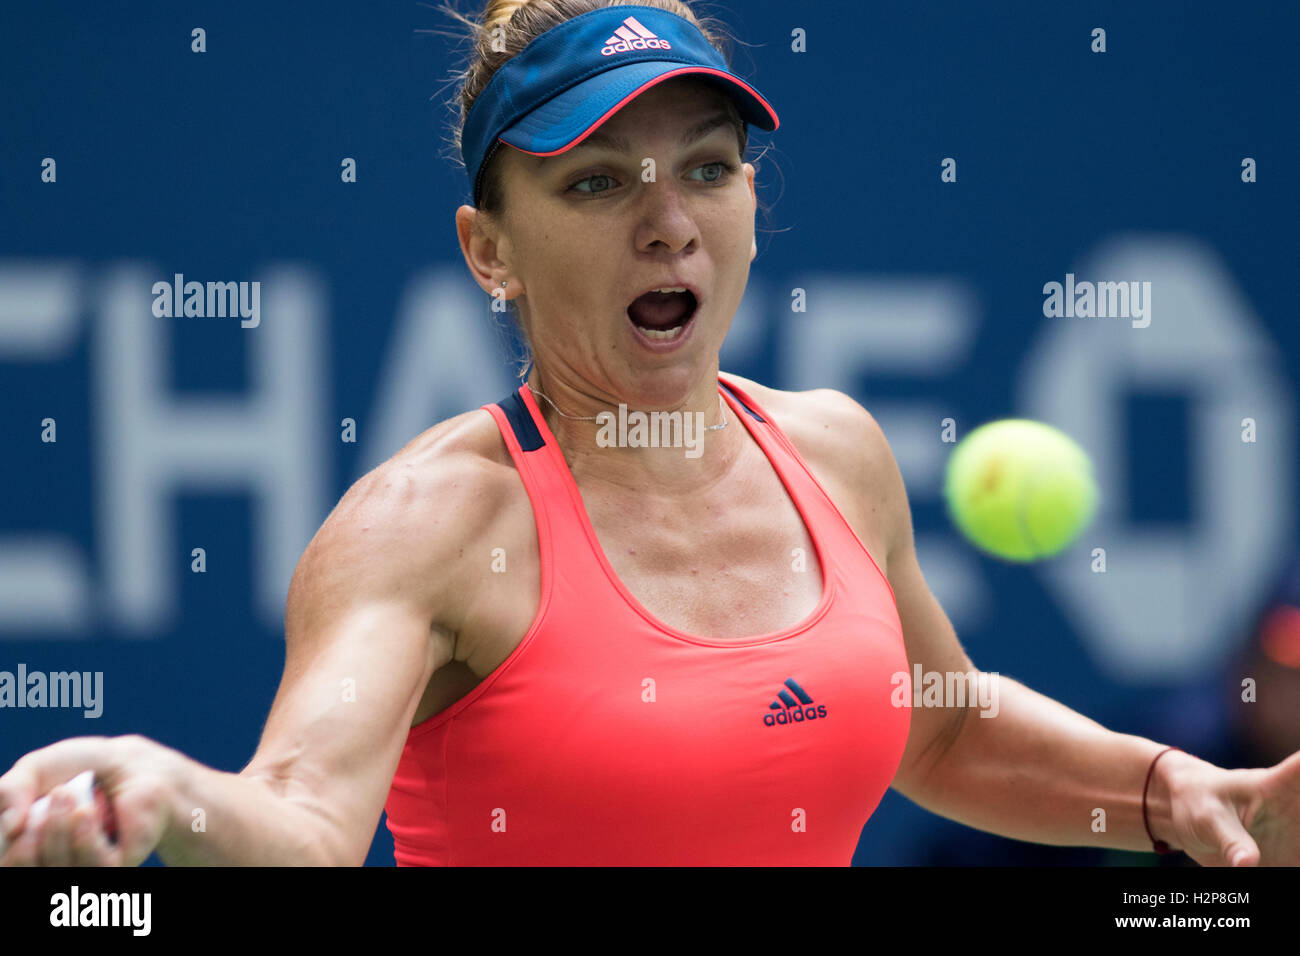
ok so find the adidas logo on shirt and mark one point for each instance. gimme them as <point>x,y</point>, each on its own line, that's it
<point>633,36</point>
<point>787,710</point>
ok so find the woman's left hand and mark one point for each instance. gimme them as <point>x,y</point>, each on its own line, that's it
<point>1248,817</point>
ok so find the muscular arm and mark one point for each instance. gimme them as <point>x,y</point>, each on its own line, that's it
<point>1037,770</point>
<point>362,638</point>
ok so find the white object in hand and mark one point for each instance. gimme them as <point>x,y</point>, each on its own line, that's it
<point>82,788</point>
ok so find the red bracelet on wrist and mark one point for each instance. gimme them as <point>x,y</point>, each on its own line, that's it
<point>1160,846</point>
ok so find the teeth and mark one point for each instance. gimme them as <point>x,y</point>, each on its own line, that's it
<point>663,333</point>
<point>676,288</point>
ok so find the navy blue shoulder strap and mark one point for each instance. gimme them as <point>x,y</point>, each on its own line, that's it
<point>530,438</point>
<point>526,431</point>
<point>732,392</point>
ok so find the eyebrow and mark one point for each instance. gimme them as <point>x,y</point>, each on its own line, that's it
<point>621,144</point>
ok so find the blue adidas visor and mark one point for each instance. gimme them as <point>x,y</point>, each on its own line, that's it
<point>571,79</point>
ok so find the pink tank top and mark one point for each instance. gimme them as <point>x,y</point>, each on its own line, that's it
<point>608,738</point>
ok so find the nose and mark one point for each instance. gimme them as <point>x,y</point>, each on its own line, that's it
<point>667,223</point>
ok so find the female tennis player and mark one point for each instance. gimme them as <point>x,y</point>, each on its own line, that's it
<point>535,644</point>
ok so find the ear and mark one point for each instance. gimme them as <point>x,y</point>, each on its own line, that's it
<point>484,248</point>
<point>753,196</point>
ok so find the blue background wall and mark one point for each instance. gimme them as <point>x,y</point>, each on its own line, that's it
<point>925,301</point>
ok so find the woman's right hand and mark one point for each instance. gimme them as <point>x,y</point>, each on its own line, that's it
<point>133,771</point>
<point>375,602</point>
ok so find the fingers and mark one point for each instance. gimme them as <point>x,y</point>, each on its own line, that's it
<point>17,792</point>
<point>41,820</point>
<point>89,847</point>
<point>1291,764</point>
<point>55,834</point>
<point>38,772</point>
<point>141,815</point>
<point>1236,847</point>
<point>1242,853</point>
<point>67,835</point>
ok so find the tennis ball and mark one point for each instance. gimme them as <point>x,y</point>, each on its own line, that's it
<point>1020,490</point>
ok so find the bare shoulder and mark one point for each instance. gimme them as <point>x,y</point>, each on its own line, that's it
<point>400,532</point>
<point>848,453</point>
<point>820,416</point>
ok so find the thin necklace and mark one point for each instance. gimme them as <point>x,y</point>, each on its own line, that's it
<point>591,418</point>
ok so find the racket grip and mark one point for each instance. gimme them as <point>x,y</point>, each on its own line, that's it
<point>86,792</point>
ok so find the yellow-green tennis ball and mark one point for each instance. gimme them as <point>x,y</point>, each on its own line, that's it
<point>1020,490</point>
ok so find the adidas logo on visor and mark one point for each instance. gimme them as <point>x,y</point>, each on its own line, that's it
<point>633,36</point>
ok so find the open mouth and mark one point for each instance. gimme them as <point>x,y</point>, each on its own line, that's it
<point>662,315</point>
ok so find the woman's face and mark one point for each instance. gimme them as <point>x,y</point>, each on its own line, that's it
<point>656,197</point>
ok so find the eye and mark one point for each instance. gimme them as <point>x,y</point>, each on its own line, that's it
<point>717,171</point>
<point>600,183</point>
